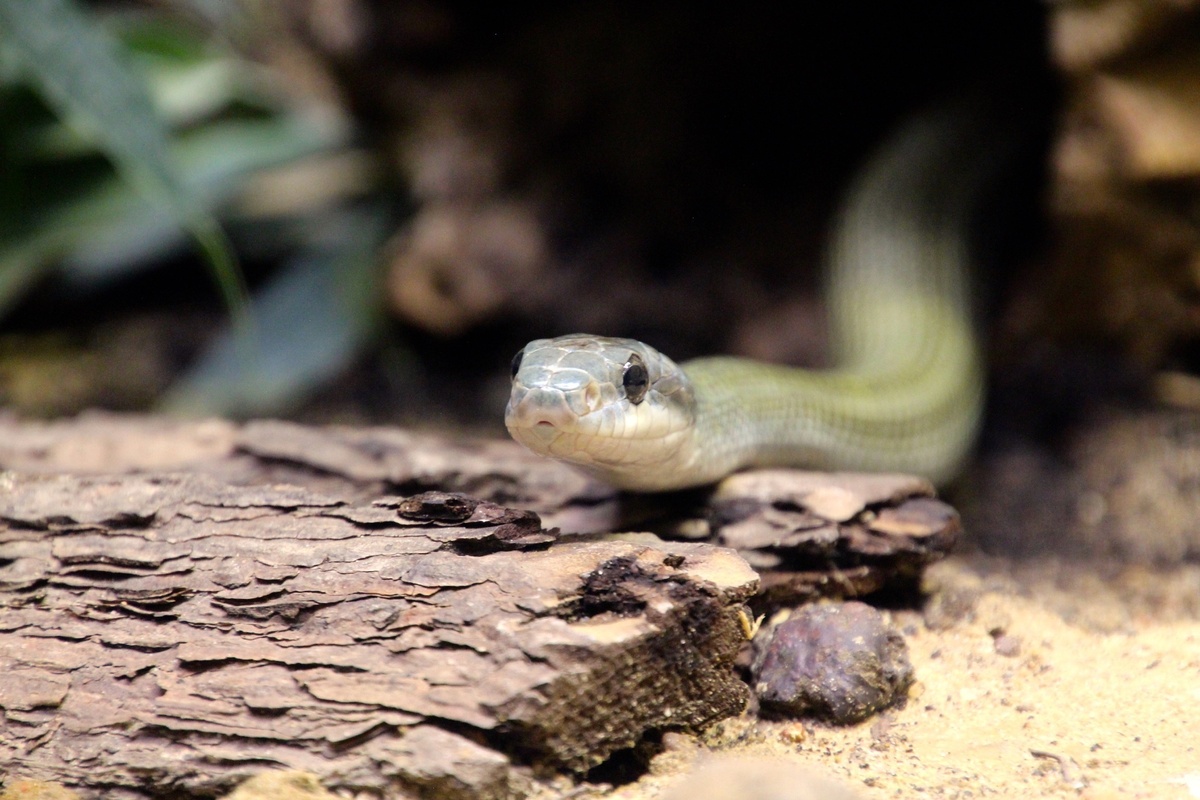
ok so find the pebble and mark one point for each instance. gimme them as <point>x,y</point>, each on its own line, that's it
<point>1007,645</point>
<point>842,662</point>
<point>37,790</point>
<point>281,785</point>
<point>748,778</point>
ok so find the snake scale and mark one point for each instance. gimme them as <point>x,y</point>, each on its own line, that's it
<point>907,391</point>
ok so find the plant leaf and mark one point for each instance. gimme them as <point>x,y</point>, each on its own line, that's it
<point>214,163</point>
<point>106,228</point>
<point>80,71</point>
<point>308,323</point>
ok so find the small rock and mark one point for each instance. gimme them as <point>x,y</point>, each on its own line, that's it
<point>1006,645</point>
<point>740,778</point>
<point>950,606</point>
<point>843,662</point>
<point>794,734</point>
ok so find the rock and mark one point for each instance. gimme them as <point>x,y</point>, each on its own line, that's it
<point>950,606</point>
<point>195,630</point>
<point>818,533</point>
<point>741,778</point>
<point>842,662</point>
<point>1007,646</point>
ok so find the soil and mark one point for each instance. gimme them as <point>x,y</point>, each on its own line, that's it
<point>1097,697</point>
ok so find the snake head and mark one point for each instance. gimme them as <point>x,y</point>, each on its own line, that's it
<point>617,408</point>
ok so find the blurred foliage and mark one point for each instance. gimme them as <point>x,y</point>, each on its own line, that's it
<point>78,69</point>
<point>125,133</point>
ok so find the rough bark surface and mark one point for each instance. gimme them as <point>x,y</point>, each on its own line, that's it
<point>813,534</point>
<point>170,633</point>
<point>187,604</point>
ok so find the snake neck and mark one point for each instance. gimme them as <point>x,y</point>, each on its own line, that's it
<point>919,413</point>
<point>908,392</point>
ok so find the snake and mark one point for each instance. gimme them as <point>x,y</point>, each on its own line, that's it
<point>906,391</point>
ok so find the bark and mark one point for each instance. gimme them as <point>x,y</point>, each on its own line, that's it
<point>188,604</point>
<point>813,534</point>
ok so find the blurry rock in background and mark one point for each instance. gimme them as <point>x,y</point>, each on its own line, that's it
<point>1094,448</point>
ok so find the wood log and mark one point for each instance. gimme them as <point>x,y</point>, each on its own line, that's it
<point>810,533</point>
<point>177,632</point>
<point>188,604</point>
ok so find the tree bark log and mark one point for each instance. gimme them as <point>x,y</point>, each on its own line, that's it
<point>188,604</point>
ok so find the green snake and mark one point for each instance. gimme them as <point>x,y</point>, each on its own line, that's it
<point>906,395</point>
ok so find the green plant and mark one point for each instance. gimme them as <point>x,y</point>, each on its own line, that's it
<point>124,136</point>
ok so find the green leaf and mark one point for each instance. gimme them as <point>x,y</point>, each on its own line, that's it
<point>214,163</point>
<point>105,228</point>
<point>81,71</point>
<point>309,323</point>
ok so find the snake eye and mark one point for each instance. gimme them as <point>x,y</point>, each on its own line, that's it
<point>636,379</point>
<point>516,362</point>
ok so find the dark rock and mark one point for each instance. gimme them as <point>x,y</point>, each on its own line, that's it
<point>842,662</point>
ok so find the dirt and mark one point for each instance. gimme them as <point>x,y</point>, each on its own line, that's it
<point>1099,696</point>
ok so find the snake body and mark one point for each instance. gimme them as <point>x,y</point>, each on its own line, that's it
<point>907,392</point>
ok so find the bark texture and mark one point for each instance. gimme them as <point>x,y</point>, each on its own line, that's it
<point>188,604</point>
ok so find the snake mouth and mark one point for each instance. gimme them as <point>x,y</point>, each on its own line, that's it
<point>541,426</point>
<point>544,430</point>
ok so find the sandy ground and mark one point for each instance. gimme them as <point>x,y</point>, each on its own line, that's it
<point>1098,696</point>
